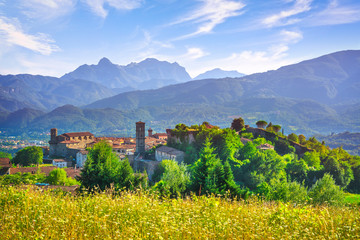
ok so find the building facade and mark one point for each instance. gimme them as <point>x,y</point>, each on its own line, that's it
<point>169,153</point>
<point>68,144</point>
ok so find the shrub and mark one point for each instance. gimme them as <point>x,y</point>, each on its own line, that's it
<point>326,191</point>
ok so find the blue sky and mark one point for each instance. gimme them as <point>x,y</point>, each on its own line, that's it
<point>53,37</point>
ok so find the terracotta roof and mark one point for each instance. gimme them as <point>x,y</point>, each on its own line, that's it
<point>72,172</point>
<point>45,170</point>
<point>140,122</point>
<point>128,146</point>
<point>77,134</point>
<point>5,162</point>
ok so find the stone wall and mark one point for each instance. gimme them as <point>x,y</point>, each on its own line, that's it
<point>141,165</point>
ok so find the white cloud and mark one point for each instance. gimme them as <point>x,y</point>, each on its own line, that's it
<point>335,14</point>
<point>12,33</point>
<point>282,18</point>
<point>210,14</point>
<point>193,53</point>
<point>250,61</point>
<point>49,9</point>
<point>98,6</point>
<point>291,36</point>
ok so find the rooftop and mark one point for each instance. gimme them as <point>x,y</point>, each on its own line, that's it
<point>169,150</point>
<point>77,134</point>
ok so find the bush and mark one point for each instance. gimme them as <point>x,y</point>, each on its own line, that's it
<point>326,191</point>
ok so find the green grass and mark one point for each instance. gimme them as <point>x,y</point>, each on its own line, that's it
<point>33,214</point>
<point>352,198</point>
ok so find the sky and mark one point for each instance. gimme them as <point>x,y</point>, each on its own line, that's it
<point>53,37</point>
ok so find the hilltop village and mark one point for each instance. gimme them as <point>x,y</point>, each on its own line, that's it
<point>69,150</point>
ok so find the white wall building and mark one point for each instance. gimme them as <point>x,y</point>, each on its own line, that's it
<point>81,157</point>
<point>60,163</point>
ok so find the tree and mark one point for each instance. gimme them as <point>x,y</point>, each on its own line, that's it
<point>302,139</point>
<point>103,168</point>
<point>293,137</point>
<point>312,159</point>
<point>276,128</point>
<point>202,167</point>
<point>283,147</point>
<point>238,124</point>
<point>297,170</point>
<point>174,179</point>
<point>269,127</point>
<point>57,177</point>
<point>261,124</point>
<point>210,176</point>
<point>5,155</point>
<point>28,156</point>
<point>341,171</point>
<point>325,190</point>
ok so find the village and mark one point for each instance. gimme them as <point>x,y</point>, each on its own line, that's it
<point>69,151</point>
<point>144,152</point>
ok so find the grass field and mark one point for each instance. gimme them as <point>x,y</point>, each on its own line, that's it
<point>34,214</point>
<point>352,198</point>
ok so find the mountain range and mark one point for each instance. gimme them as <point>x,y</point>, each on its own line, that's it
<point>320,95</point>
<point>218,73</point>
<point>150,73</point>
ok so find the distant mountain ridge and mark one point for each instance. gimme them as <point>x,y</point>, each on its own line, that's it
<point>46,93</point>
<point>86,84</point>
<point>320,95</point>
<point>147,74</point>
<point>218,73</point>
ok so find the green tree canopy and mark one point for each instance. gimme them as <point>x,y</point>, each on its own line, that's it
<point>238,124</point>
<point>5,155</point>
<point>276,128</point>
<point>28,156</point>
<point>261,124</point>
<point>103,168</point>
<point>174,178</point>
<point>293,137</point>
<point>325,190</point>
<point>302,139</point>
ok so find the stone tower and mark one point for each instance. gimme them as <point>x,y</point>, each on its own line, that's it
<point>150,132</point>
<point>53,134</point>
<point>140,137</point>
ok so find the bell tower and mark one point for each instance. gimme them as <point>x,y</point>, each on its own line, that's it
<point>150,132</point>
<point>140,137</point>
<point>53,134</point>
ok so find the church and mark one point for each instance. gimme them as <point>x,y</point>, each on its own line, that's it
<point>68,144</point>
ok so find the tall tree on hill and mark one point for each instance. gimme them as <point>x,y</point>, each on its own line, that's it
<point>293,137</point>
<point>261,124</point>
<point>238,124</point>
<point>302,139</point>
<point>28,156</point>
<point>276,128</point>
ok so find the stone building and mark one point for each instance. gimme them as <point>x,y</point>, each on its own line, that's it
<point>165,152</point>
<point>68,144</point>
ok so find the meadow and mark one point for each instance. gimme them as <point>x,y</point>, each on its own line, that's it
<point>30,213</point>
